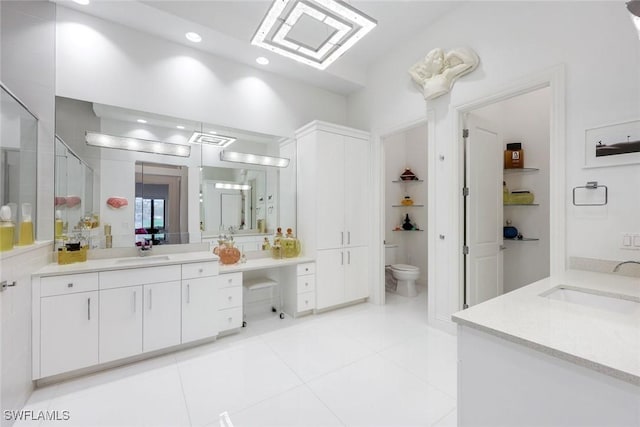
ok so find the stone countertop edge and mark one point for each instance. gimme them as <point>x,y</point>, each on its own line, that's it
<point>108,264</point>
<point>495,325</point>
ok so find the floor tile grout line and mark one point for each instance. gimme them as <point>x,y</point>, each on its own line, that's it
<point>325,404</point>
<point>184,395</point>
<point>407,370</point>
<point>435,423</point>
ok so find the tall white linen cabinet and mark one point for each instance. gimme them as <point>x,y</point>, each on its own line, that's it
<point>334,208</point>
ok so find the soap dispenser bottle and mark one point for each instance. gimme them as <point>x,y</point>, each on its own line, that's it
<point>26,226</point>
<point>7,229</point>
<point>59,225</point>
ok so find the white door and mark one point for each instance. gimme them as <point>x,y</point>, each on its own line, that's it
<point>330,266</point>
<point>357,197</point>
<point>330,187</point>
<point>68,332</point>
<point>484,211</point>
<point>199,309</point>
<point>161,321</point>
<point>356,280</point>
<point>120,323</point>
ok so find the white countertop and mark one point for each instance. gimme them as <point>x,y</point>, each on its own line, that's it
<point>263,263</point>
<point>153,260</point>
<point>598,339</point>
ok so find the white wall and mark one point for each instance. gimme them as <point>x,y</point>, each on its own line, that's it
<point>525,119</point>
<point>111,64</point>
<point>407,148</point>
<point>27,48</point>
<point>601,52</point>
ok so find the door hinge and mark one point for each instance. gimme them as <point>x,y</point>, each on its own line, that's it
<point>465,250</point>
<point>465,133</point>
<point>465,191</point>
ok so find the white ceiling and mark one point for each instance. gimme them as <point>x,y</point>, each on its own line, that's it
<point>228,26</point>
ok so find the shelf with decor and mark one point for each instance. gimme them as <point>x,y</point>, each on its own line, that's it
<point>516,170</point>
<point>524,239</point>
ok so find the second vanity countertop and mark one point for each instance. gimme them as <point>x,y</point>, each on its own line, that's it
<point>607,341</point>
<point>263,263</point>
<point>152,260</point>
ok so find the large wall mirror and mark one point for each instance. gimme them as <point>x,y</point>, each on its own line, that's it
<point>18,142</point>
<point>161,179</point>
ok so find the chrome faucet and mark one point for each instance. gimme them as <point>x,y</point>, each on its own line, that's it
<point>617,267</point>
<point>145,248</point>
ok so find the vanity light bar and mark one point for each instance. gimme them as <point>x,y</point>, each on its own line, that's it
<point>355,26</point>
<point>215,140</point>
<point>253,159</point>
<point>136,144</point>
<point>228,186</point>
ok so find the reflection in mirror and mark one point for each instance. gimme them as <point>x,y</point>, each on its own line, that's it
<point>18,138</point>
<point>128,182</point>
<point>235,200</point>
<point>75,213</point>
<point>160,208</point>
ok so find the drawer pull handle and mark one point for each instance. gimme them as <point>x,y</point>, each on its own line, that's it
<point>200,270</point>
<point>188,294</point>
<point>306,283</point>
<point>69,285</point>
<point>230,319</point>
<point>88,308</point>
<point>230,281</point>
<point>150,294</point>
<point>306,269</point>
<point>230,297</point>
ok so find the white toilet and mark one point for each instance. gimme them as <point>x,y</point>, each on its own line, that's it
<point>406,275</point>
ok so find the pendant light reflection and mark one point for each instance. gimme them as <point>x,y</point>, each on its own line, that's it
<point>253,159</point>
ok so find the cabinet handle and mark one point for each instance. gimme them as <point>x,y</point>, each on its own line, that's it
<point>230,280</point>
<point>69,285</point>
<point>342,237</point>
<point>341,258</point>
<point>188,294</point>
<point>306,283</point>
<point>88,308</point>
<point>348,237</point>
<point>150,290</point>
<point>200,270</point>
<point>230,298</point>
<point>230,319</point>
<point>134,300</point>
<point>4,285</point>
<point>306,269</point>
<point>349,257</point>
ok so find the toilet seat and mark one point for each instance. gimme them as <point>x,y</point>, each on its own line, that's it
<point>404,267</point>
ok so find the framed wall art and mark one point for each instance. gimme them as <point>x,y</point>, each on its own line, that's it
<point>613,145</point>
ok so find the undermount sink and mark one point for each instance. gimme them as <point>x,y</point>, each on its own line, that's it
<point>143,259</point>
<point>611,302</point>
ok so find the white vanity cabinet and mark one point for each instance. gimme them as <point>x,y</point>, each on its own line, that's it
<point>86,319</point>
<point>199,301</point>
<point>68,323</point>
<point>230,301</point>
<point>333,172</point>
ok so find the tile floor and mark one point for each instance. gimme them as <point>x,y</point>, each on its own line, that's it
<point>364,365</point>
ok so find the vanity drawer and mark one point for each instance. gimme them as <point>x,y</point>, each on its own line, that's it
<point>68,284</point>
<point>139,276</point>
<point>306,283</point>
<point>229,297</point>
<point>229,280</point>
<point>306,301</point>
<point>230,318</point>
<point>307,268</point>
<point>199,269</point>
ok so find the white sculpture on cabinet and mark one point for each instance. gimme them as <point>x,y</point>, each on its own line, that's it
<point>438,71</point>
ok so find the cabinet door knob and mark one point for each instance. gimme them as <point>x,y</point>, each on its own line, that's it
<point>306,283</point>
<point>200,270</point>
<point>69,285</point>
<point>230,297</point>
<point>306,269</point>
<point>230,319</point>
<point>230,280</point>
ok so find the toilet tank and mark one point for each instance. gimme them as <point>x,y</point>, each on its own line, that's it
<point>390,252</point>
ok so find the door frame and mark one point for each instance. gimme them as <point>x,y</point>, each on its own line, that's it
<point>553,78</point>
<point>378,291</point>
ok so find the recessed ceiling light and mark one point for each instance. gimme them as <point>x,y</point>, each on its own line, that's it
<point>180,127</point>
<point>346,25</point>
<point>262,60</point>
<point>141,121</point>
<point>193,37</point>
<point>82,2</point>
<point>218,140</point>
